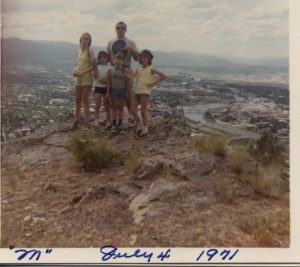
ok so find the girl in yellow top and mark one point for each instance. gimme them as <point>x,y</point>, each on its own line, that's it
<point>83,78</point>
<point>142,90</point>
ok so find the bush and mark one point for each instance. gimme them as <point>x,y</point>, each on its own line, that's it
<point>212,145</point>
<point>90,154</point>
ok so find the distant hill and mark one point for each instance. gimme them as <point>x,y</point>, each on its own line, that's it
<point>45,53</point>
<point>18,51</point>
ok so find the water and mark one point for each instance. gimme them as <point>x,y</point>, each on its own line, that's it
<point>197,112</point>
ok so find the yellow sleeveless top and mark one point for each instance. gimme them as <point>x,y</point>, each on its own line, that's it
<point>83,59</point>
<point>143,78</point>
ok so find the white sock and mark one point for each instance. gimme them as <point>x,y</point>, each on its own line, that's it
<point>145,129</point>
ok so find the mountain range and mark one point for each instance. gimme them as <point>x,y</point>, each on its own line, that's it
<point>45,53</point>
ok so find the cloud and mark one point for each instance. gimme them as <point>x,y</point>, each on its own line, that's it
<point>211,26</point>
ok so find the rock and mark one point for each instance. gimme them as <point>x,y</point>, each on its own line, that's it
<point>149,167</point>
<point>158,198</point>
<point>192,167</point>
<point>132,240</point>
<point>27,218</point>
<point>130,189</point>
<point>57,139</point>
<point>155,165</point>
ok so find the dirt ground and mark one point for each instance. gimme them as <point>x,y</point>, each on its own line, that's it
<point>177,197</point>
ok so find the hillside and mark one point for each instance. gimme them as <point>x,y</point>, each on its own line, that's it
<point>168,194</point>
<point>45,53</point>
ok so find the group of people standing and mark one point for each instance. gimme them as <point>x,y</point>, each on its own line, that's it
<point>116,84</point>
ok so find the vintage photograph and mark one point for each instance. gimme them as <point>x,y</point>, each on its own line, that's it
<point>145,123</point>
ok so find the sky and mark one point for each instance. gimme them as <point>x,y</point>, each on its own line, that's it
<point>242,28</point>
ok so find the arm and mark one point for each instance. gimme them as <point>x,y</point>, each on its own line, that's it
<point>109,53</point>
<point>127,86</point>
<point>128,76</point>
<point>75,70</point>
<point>161,75</point>
<point>95,74</point>
<point>131,47</point>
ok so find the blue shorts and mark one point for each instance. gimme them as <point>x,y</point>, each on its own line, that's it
<point>118,94</point>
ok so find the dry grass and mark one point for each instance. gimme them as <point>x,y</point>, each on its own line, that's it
<point>237,158</point>
<point>223,190</point>
<point>212,144</point>
<point>267,181</point>
<point>268,227</point>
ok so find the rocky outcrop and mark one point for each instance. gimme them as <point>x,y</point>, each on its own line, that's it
<point>176,196</point>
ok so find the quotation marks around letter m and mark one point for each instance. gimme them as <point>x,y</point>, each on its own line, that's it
<point>48,250</point>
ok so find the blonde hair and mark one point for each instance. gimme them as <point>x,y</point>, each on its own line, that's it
<point>86,33</point>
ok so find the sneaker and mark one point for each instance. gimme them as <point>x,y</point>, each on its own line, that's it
<point>138,129</point>
<point>144,131</point>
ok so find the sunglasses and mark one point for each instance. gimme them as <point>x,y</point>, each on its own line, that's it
<point>121,28</point>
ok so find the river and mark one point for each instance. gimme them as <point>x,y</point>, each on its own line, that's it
<point>197,112</point>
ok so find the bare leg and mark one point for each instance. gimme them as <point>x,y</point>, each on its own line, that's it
<point>85,100</point>
<point>121,108</point>
<point>134,106</point>
<point>144,110</point>
<point>97,106</point>
<point>78,99</point>
<point>107,109</point>
<point>114,109</point>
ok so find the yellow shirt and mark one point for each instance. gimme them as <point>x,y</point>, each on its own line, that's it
<point>143,78</point>
<point>83,59</point>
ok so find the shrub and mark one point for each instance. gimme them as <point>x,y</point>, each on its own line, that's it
<point>268,150</point>
<point>212,145</point>
<point>91,154</point>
